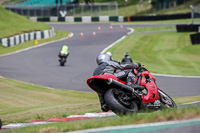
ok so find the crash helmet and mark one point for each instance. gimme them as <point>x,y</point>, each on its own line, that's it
<point>102,58</point>
<point>109,53</point>
<point>126,54</point>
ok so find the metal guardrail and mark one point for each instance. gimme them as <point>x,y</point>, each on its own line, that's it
<point>97,9</point>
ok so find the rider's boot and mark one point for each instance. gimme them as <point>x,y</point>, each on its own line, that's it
<point>104,107</point>
<point>131,80</point>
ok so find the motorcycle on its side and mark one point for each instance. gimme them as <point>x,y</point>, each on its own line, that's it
<point>123,99</point>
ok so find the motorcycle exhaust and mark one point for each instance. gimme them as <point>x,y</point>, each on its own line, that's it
<point>123,86</point>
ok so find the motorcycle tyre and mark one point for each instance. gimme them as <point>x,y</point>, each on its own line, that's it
<point>116,106</point>
<point>62,62</point>
<point>172,101</point>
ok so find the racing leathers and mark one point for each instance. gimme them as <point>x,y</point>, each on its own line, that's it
<point>127,60</point>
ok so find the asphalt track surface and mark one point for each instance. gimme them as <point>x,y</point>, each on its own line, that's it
<point>40,65</point>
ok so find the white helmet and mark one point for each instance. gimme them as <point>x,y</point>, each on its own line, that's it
<point>103,58</point>
<point>126,54</point>
<point>109,53</point>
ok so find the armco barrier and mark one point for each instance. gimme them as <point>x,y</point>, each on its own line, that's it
<point>86,19</point>
<point>187,27</point>
<point>54,19</point>
<point>112,18</point>
<point>95,19</point>
<point>195,38</point>
<point>69,19</point>
<point>161,17</point>
<point>17,39</point>
<point>104,18</point>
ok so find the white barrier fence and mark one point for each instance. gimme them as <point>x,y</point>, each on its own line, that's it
<point>36,35</point>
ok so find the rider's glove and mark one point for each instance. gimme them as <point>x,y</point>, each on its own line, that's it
<point>137,65</point>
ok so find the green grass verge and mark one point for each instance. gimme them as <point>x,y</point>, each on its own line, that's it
<point>59,35</point>
<point>12,24</point>
<point>149,29</point>
<point>164,53</point>
<point>165,115</point>
<point>22,102</point>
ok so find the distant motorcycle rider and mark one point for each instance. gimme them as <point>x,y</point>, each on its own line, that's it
<point>64,52</point>
<point>127,58</point>
<point>121,71</point>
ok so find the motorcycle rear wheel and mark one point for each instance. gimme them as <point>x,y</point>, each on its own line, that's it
<point>166,100</point>
<point>114,99</point>
<point>62,62</point>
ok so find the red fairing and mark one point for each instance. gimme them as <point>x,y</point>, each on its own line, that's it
<point>152,88</point>
<point>105,77</point>
<point>103,85</point>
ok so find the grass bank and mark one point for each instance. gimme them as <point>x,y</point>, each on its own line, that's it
<point>165,115</point>
<point>22,102</point>
<point>12,24</point>
<point>164,53</point>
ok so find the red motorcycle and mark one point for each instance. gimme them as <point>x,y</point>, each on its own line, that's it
<point>123,99</point>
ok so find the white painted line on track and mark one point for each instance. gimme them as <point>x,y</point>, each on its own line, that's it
<point>175,76</point>
<point>104,50</point>
<point>131,31</point>
<point>136,126</point>
<point>191,103</point>
<point>40,45</point>
<point>111,45</point>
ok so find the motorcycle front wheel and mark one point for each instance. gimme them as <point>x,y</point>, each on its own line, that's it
<point>166,100</point>
<point>120,102</point>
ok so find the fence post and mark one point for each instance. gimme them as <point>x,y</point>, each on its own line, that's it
<point>82,10</point>
<point>116,6</point>
<point>99,10</point>
<point>57,10</point>
<point>109,9</point>
<point>22,13</point>
<point>35,12</point>
<point>90,10</point>
<point>28,10</point>
<point>192,13</point>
